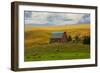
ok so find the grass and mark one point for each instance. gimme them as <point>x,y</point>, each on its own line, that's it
<point>37,47</point>
<point>57,51</point>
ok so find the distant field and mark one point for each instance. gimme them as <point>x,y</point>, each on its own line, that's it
<point>76,26</point>
<point>37,45</point>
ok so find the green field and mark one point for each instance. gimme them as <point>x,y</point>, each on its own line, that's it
<point>38,48</point>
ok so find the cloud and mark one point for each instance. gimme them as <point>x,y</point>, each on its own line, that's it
<point>27,15</point>
<point>54,18</point>
<point>85,19</point>
<point>35,18</point>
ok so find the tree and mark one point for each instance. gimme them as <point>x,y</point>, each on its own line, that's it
<point>69,38</point>
<point>86,40</point>
<point>77,39</point>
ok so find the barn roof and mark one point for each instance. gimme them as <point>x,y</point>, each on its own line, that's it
<point>57,34</point>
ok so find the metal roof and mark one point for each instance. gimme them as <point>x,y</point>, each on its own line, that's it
<point>57,34</point>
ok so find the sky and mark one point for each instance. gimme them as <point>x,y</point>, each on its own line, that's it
<point>37,18</point>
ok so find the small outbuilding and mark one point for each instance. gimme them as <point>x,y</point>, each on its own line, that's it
<point>58,37</point>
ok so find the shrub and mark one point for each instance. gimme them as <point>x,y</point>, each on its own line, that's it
<point>77,39</point>
<point>86,40</point>
<point>69,38</point>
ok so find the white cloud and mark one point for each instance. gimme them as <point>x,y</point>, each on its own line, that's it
<point>52,18</point>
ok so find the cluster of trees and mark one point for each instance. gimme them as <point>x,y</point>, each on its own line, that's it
<point>77,39</point>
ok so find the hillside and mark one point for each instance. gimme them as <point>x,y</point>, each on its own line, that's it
<point>76,26</point>
<point>41,34</point>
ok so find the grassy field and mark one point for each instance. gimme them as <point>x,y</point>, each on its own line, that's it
<point>57,52</point>
<point>37,47</point>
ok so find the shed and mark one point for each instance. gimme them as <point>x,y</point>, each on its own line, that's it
<point>58,37</point>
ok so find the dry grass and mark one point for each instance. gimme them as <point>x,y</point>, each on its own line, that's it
<point>41,34</point>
